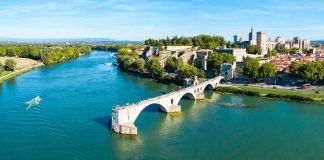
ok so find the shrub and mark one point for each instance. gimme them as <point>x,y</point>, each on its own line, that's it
<point>10,65</point>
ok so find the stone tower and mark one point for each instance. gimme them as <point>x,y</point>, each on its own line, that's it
<point>252,37</point>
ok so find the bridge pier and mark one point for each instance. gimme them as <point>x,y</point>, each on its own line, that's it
<point>128,129</point>
<point>174,108</point>
<point>200,96</point>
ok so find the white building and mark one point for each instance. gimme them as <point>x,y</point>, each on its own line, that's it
<point>238,53</point>
<point>265,44</point>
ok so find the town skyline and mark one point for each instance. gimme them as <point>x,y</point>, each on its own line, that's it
<point>139,20</point>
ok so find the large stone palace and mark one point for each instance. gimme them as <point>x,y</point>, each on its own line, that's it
<point>260,39</point>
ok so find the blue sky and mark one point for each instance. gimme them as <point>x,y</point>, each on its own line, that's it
<point>142,19</point>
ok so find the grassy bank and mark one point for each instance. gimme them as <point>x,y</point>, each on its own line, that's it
<point>274,93</point>
<point>7,75</point>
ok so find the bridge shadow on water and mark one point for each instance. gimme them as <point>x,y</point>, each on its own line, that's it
<point>104,121</point>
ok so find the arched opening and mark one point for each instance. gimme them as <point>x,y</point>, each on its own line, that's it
<point>209,87</point>
<point>188,96</point>
<point>150,117</point>
<point>154,107</point>
<point>187,101</point>
<point>172,101</point>
<point>221,81</point>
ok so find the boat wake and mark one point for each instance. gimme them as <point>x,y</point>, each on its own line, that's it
<point>34,101</point>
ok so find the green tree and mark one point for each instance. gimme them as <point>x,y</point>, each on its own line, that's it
<point>139,65</point>
<point>272,53</point>
<point>235,46</point>
<point>212,45</point>
<point>215,60</point>
<point>3,51</point>
<point>179,62</point>
<point>10,65</point>
<point>125,62</point>
<point>188,71</point>
<point>251,67</point>
<point>253,49</point>
<point>267,70</point>
<point>312,71</point>
<point>123,51</point>
<point>204,41</point>
<point>228,58</point>
<point>294,50</point>
<point>1,68</point>
<point>153,65</point>
<point>295,67</point>
<point>170,65</point>
<point>70,53</point>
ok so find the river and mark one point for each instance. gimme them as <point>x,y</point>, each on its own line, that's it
<point>71,121</point>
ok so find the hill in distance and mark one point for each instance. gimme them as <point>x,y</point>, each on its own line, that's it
<point>68,40</point>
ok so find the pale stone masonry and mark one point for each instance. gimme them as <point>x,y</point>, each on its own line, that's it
<point>238,53</point>
<point>124,117</point>
<point>265,44</point>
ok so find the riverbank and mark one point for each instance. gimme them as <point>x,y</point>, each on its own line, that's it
<point>273,93</point>
<point>23,65</point>
<point>165,80</point>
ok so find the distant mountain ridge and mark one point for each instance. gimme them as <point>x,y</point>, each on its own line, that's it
<point>66,40</point>
<point>318,41</point>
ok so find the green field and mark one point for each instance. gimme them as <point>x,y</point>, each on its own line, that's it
<point>283,92</point>
<point>273,93</point>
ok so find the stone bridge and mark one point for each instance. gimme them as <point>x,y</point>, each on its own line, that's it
<point>124,117</point>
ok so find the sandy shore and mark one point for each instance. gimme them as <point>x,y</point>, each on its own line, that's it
<point>23,65</point>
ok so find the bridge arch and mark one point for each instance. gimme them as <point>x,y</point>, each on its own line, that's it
<point>208,87</point>
<point>160,106</point>
<point>187,95</point>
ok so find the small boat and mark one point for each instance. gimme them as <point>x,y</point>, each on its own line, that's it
<point>116,63</point>
<point>32,102</point>
<point>108,63</point>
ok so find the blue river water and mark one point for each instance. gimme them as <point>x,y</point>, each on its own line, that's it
<point>71,121</point>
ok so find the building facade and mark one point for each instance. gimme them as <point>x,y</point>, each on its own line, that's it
<point>260,39</point>
<point>238,53</point>
<point>261,42</point>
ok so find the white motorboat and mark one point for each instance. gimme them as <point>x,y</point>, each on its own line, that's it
<point>32,102</point>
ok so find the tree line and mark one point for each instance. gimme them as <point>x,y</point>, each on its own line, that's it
<point>203,41</point>
<point>311,71</point>
<point>129,60</point>
<point>215,60</point>
<point>254,70</point>
<point>115,47</point>
<point>49,54</point>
